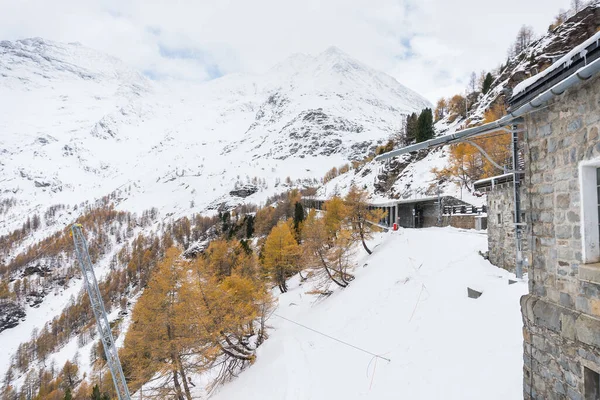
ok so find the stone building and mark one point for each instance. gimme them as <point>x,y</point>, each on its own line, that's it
<point>500,210</point>
<point>561,313</point>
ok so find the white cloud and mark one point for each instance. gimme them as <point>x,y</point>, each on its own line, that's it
<point>430,46</point>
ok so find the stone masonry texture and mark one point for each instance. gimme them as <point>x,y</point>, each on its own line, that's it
<point>501,230</point>
<point>561,313</point>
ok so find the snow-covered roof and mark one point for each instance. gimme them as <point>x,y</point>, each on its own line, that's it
<point>392,203</point>
<point>494,180</point>
<point>563,62</point>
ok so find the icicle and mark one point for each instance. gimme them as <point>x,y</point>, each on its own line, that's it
<point>583,54</point>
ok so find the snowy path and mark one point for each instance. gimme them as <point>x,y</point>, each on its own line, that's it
<point>409,304</point>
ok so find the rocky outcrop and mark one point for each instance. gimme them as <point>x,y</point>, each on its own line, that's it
<point>244,191</point>
<point>11,314</point>
<point>393,170</point>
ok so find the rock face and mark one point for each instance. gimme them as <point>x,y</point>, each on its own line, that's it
<point>244,191</point>
<point>539,55</point>
<point>11,314</point>
<point>393,170</point>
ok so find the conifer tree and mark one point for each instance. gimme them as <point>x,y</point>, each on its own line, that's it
<point>161,337</point>
<point>96,393</point>
<point>249,226</point>
<point>321,250</point>
<point>221,257</point>
<point>441,108</point>
<point>425,126</point>
<point>228,311</point>
<point>298,217</point>
<point>281,254</point>
<point>411,128</point>
<point>335,213</point>
<point>68,395</point>
<point>487,83</point>
<point>362,219</point>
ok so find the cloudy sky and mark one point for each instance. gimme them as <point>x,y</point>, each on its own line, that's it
<point>430,46</point>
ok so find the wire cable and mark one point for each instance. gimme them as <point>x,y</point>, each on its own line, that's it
<point>333,338</point>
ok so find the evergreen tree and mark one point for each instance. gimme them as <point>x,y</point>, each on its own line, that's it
<point>68,395</point>
<point>425,126</point>
<point>487,83</point>
<point>411,128</point>
<point>298,217</point>
<point>249,226</point>
<point>226,219</point>
<point>96,393</point>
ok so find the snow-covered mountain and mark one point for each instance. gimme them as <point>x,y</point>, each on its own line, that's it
<point>76,124</point>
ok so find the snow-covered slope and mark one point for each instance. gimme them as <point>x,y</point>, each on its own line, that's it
<point>408,304</point>
<point>77,124</point>
<point>411,176</point>
<point>537,57</point>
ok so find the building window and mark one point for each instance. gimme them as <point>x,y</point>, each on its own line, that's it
<point>591,382</point>
<point>589,180</point>
<point>499,218</point>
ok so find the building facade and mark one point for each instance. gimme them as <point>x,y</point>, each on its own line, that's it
<point>561,313</point>
<point>501,229</point>
<point>422,212</point>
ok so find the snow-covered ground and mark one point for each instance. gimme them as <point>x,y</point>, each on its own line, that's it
<point>409,304</point>
<point>416,181</point>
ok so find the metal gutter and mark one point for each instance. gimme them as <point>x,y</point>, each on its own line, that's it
<point>513,117</point>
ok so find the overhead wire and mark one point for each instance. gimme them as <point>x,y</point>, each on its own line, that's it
<point>333,338</point>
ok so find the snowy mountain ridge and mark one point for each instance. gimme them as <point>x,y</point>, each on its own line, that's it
<point>77,124</point>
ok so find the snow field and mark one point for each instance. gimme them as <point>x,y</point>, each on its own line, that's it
<point>408,303</point>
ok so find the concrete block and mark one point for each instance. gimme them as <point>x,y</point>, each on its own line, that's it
<point>473,294</point>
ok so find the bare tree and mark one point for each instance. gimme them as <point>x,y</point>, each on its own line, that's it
<point>577,5</point>
<point>524,39</point>
<point>472,82</point>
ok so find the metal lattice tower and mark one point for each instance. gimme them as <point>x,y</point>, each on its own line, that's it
<point>91,285</point>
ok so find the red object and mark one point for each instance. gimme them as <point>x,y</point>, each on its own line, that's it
<point>395,227</point>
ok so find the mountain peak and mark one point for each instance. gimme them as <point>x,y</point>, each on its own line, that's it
<point>334,50</point>
<point>335,59</point>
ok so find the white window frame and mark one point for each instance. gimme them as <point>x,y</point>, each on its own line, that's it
<point>590,220</point>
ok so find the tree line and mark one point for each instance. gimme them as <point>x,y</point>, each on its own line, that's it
<point>204,312</point>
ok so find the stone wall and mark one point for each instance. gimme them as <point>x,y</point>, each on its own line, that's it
<point>562,312</point>
<point>501,229</point>
<point>459,221</point>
